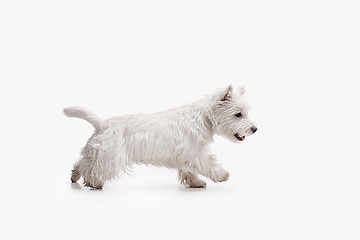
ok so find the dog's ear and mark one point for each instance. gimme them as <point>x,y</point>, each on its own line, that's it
<point>227,94</point>
<point>242,90</point>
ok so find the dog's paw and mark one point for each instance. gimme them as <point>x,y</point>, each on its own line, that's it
<point>221,176</point>
<point>197,184</point>
<point>190,180</point>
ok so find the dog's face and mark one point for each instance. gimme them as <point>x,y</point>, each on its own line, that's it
<point>230,112</point>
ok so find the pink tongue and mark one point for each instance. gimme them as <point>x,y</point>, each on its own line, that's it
<point>243,137</point>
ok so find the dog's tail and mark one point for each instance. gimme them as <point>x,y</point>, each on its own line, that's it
<point>85,114</point>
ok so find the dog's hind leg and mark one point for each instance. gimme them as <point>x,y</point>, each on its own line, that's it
<point>191,180</point>
<point>75,174</point>
<point>92,175</point>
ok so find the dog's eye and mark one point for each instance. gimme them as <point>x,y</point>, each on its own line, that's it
<point>238,114</point>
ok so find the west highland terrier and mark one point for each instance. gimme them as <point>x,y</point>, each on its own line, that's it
<point>177,138</point>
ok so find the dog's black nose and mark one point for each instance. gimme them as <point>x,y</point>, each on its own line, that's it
<point>254,129</point>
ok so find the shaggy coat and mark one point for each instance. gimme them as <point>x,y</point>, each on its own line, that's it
<point>178,138</point>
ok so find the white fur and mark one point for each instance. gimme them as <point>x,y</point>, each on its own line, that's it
<point>178,138</point>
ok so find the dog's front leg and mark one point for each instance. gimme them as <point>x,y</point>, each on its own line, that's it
<point>217,174</point>
<point>191,180</point>
<point>210,168</point>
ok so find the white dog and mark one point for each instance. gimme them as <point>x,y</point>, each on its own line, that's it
<point>177,138</point>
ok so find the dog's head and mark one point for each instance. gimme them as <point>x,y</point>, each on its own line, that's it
<point>229,113</point>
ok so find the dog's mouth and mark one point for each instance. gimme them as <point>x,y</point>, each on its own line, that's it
<point>239,138</point>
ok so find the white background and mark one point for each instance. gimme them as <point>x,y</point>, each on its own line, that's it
<point>296,178</point>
